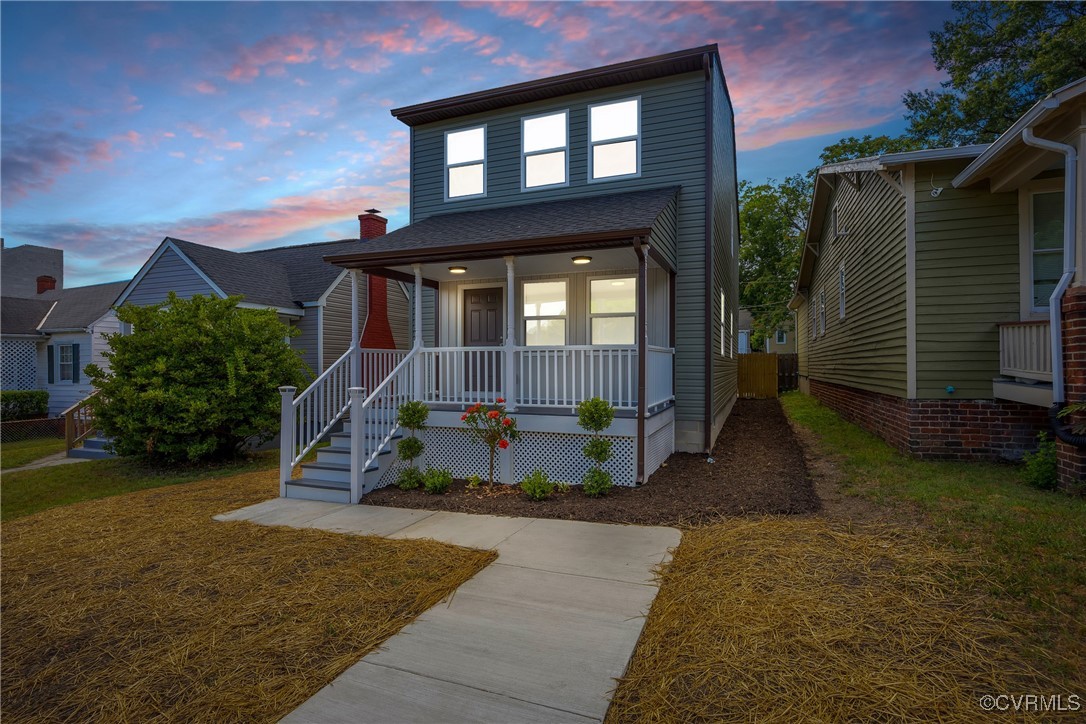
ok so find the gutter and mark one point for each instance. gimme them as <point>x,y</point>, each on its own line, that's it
<point>1055,302</point>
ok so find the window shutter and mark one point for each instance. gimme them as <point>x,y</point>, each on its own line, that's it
<point>50,361</point>
<point>75,364</point>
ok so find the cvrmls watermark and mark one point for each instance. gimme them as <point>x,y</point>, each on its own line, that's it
<point>1031,702</point>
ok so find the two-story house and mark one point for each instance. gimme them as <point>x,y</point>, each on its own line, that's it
<point>575,236</point>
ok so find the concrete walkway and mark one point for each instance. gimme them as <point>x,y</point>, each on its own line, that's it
<point>538,636</point>
<point>47,462</point>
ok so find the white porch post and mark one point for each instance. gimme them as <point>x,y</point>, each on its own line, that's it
<point>286,437</point>
<point>358,467</point>
<point>417,364</point>
<point>510,336</point>
<point>356,342</point>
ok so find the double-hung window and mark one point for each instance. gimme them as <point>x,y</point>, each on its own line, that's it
<point>1046,245</point>
<point>782,337</point>
<point>545,313</point>
<point>544,150</point>
<point>822,312</point>
<point>66,362</point>
<point>612,310</point>
<point>841,291</point>
<point>614,135</point>
<point>465,163</point>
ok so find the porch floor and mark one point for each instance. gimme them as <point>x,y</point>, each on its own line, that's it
<point>540,635</point>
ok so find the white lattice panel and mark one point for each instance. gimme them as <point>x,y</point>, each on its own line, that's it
<point>660,446</point>
<point>450,447</point>
<point>561,456</point>
<point>18,364</point>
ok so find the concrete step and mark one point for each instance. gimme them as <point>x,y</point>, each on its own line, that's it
<point>90,453</point>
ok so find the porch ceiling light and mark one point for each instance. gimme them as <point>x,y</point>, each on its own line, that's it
<point>582,259</point>
<point>457,269</point>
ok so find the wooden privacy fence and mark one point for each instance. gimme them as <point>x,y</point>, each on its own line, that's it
<point>758,375</point>
<point>787,372</point>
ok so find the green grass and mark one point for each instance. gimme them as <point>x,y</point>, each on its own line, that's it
<point>1034,541</point>
<point>30,491</point>
<point>24,452</point>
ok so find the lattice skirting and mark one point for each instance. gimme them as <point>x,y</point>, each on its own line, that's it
<point>18,364</point>
<point>560,455</point>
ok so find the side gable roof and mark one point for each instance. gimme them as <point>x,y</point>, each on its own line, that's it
<point>80,307</point>
<point>22,316</point>
<point>310,276</point>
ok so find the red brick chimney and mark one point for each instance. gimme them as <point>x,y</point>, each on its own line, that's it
<point>46,284</point>
<point>377,334</point>
<point>370,225</point>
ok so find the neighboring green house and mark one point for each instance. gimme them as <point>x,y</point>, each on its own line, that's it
<point>923,298</point>
<point>581,233</point>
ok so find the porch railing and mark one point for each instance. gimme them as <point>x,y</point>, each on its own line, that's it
<point>1025,350</point>
<point>659,387</point>
<point>79,423</point>
<point>377,364</point>
<point>563,376</point>
<point>312,414</point>
<point>375,421</point>
<point>461,375</point>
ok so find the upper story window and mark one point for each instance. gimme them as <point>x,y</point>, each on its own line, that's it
<point>465,163</point>
<point>1046,245</point>
<point>545,313</point>
<point>544,150</point>
<point>612,310</point>
<point>614,135</point>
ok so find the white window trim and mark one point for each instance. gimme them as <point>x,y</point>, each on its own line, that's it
<point>781,333</point>
<point>525,154</point>
<point>524,318</point>
<point>841,291</point>
<point>445,156</point>
<point>589,315</point>
<point>1025,244</point>
<point>60,363</point>
<point>822,312</point>
<point>835,217</point>
<point>636,137</point>
<point>723,322</point>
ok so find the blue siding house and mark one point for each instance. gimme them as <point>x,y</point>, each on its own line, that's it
<point>577,236</point>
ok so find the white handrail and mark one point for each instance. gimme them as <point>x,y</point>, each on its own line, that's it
<point>313,413</point>
<point>377,419</point>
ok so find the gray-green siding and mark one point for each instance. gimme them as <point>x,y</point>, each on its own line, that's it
<point>725,232</point>
<point>966,282</point>
<point>866,349</point>
<point>170,273</point>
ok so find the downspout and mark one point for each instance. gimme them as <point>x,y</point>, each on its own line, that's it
<point>1055,302</point>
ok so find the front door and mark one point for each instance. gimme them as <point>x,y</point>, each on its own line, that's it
<point>483,322</point>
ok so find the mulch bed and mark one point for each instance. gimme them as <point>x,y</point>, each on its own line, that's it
<point>758,468</point>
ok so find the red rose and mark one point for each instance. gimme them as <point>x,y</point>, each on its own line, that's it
<point>507,422</point>
<point>493,414</point>
<point>503,444</point>
<point>500,400</point>
<point>463,417</point>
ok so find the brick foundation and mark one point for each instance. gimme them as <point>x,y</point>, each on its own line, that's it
<point>939,429</point>
<point>1072,460</point>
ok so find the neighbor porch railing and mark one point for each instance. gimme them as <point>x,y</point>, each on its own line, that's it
<point>1025,350</point>
<point>659,386</point>
<point>79,422</point>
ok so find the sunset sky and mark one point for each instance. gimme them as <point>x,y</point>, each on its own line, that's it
<point>247,125</point>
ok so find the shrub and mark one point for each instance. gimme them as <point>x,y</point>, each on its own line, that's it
<point>23,404</point>
<point>1041,467</point>
<point>436,480</point>
<point>196,380</point>
<point>537,486</point>
<point>474,481</point>
<point>412,416</point>
<point>596,415</point>
<point>563,487</point>
<point>492,427</point>
<point>409,479</point>
<point>597,482</point>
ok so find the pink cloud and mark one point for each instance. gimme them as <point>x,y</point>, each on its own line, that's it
<point>270,55</point>
<point>34,159</point>
<point>206,88</point>
<point>258,119</point>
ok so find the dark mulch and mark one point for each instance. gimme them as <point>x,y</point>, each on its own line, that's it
<point>758,468</point>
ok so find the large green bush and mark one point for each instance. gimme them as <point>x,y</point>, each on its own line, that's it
<point>196,380</point>
<point>23,404</point>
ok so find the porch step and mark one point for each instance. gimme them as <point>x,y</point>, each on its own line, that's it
<point>94,448</point>
<point>343,439</point>
<point>338,455</point>
<point>324,490</point>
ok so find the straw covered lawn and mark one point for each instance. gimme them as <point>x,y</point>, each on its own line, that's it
<point>810,620</point>
<point>140,607</point>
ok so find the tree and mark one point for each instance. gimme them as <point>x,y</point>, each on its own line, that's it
<point>1001,58</point>
<point>772,220</point>
<point>851,148</point>
<point>196,380</point>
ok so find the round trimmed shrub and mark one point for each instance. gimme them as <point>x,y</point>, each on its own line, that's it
<point>436,481</point>
<point>596,482</point>
<point>537,486</point>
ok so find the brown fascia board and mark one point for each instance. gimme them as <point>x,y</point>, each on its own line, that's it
<point>467,252</point>
<point>632,71</point>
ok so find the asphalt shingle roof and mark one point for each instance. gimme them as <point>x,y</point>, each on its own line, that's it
<point>79,307</point>
<point>605,213</point>
<point>22,316</point>
<point>285,276</point>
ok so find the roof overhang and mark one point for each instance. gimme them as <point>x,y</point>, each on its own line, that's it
<point>1054,104</point>
<point>658,66</point>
